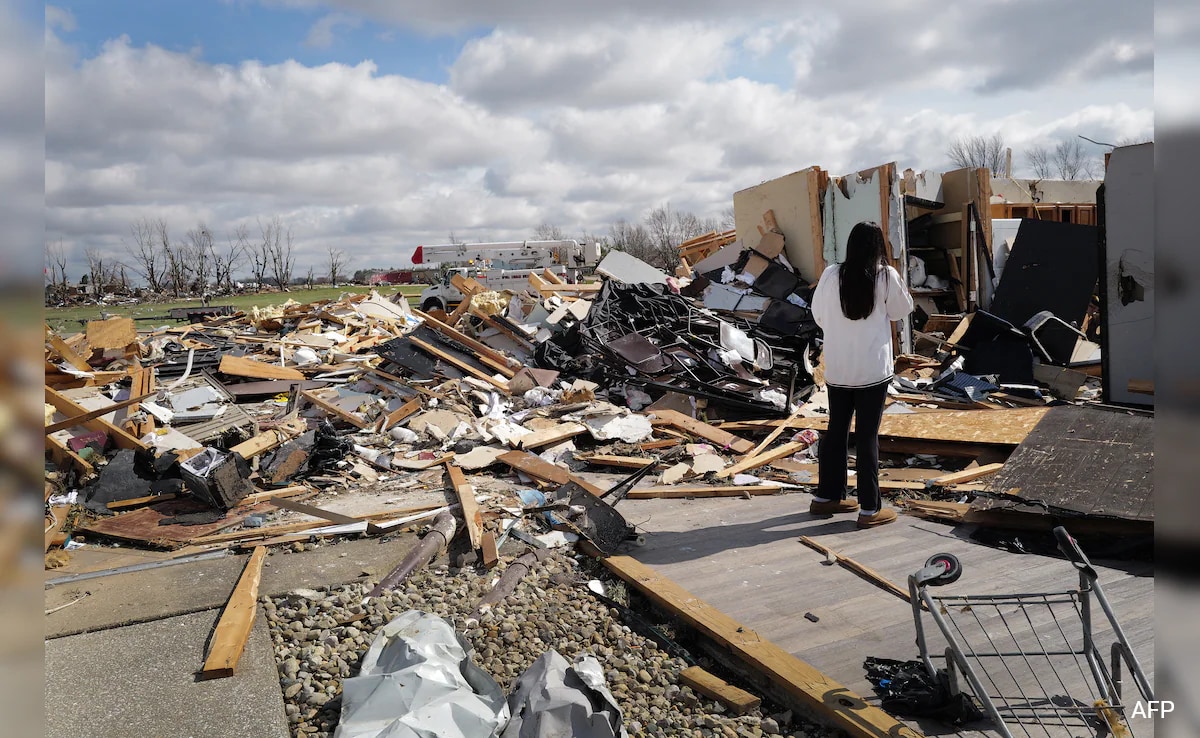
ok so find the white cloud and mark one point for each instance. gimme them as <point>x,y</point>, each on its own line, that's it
<point>545,123</point>
<point>324,31</point>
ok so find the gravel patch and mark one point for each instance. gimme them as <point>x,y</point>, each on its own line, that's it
<point>320,638</point>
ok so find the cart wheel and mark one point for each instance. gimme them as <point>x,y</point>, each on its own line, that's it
<point>950,563</point>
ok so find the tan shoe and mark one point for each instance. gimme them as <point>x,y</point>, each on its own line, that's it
<point>832,507</point>
<point>884,516</point>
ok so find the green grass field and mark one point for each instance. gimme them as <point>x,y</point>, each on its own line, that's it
<point>67,320</point>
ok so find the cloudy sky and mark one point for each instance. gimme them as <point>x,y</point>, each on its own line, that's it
<point>376,125</point>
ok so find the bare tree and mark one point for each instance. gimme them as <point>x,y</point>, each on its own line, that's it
<point>727,219</point>
<point>200,249</point>
<point>277,251</point>
<point>228,259</point>
<point>145,252</point>
<point>1039,161</point>
<point>308,279</point>
<point>633,239</point>
<point>454,239</point>
<point>548,232</point>
<point>978,151</point>
<point>178,260</point>
<point>337,262</point>
<point>96,272</point>
<point>1072,162</point>
<point>56,268</point>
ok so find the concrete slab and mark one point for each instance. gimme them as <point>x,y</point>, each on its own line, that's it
<point>140,680</point>
<point>140,596</point>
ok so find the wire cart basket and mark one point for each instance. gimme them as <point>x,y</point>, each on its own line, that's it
<point>1022,655</point>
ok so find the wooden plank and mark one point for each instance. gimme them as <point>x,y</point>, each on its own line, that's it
<point>538,468</point>
<point>551,277</point>
<point>488,554</point>
<point>699,428</point>
<point>862,570</point>
<point>736,699</point>
<point>967,475</point>
<point>256,497</point>
<point>499,360</point>
<point>63,457</point>
<point>735,490</point>
<point>118,505</point>
<point>93,414</point>
<point>753,462</point>
<point>549,436</point>
<point>114,333</point>
<point>455,361</point>
<point>269,439</point>
<point>142,384</point>
<point>399,414</point>
<point>772,435</point>
<point>463,307</point>
<point>67,353</point>
<point>333,409</point>
<point>621,462</point>
<point>233,629</point>
<point>829,700</point>
<point>240,366</point>
<point>546,288</point>
<point>65,405</point>
<point>316,512</point>
<point>467,285</point>
<point>470,508</point>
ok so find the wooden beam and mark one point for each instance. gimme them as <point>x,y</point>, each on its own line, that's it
<point>488,554</point>
<point>828,700</point>
<point>75,420</point>
<point>240,366</point>
<point>65,405</point>
<point>862,570</point>
<point>399,414</point>
<point>753,462</point>
<point>966,475</point>
<point>470,508</point>
<point>737,700</point>
<point>499,360</point>
<point>316,512</point>
<point>621,462</point>
<point>551,277</point>
<point>549,436</point>
<point>142,384</point>
<point>63,457</point>
<point>256,497</point>
<point>455,361</point>
<point>332,409</point>
<point>736,490</point>
<point>772,435</point>
<point>67,353</point>
<point>233,629</point>
<point>269,439</point>
<point>538,468</point>
<point>700,429</point>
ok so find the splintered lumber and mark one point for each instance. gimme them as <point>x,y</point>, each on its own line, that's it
<point>65,405</point>
<point>68,354</point>
<point>829,701</point>
<point>333,409</point>
<point>472,518</point>
<point>399,414</point>
<point>233,629</point>
<point>316,512</point>
<point>736,699</point>
<point>753,462</point>
<point>736,490</point>
<point>966,475</point>
<point>256,497</point>
<point>548,288</point>
<point>699,428</point>
<point>621,462</point>
<point>64,456</point>
<point>549,436</point>
<point>93,414</point>
<point>497,359</point>
<point>950,512</point>
<point>455,361</point>
<point>142,384</point>
<point>114,333</point>
<point>862,570</point>
<point>467,285</point>
<point>538,468</point>
<point>269,439</point>
<point>240,366</point>
<point>489,555</point>
<point>779,428</point>
<point>463,306</point>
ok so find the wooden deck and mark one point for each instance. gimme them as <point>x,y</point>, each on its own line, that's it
<point>744,557</point>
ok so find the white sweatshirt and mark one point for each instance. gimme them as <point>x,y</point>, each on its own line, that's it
<point>858,353</point>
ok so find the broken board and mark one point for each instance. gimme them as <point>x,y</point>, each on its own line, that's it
<point>142,525</point>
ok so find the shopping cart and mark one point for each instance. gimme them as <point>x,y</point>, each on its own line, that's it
<point>1023,655</point>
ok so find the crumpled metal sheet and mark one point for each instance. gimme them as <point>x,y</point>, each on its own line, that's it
<point>553,698</point>
<point>418,681</point>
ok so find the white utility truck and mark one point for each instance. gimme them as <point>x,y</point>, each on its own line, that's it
<point>504,265</point>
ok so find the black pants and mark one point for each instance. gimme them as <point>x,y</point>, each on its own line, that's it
<point>865,404</point>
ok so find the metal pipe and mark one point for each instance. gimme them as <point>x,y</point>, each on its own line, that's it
<point>444,526</point>
<point>135,567</point>
<point>515,572</point>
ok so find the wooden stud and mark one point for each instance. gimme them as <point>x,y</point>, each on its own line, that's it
<point>538,468</point>
<point>65,405</point>
<point>499,360</point>
<point>488,554</point>
<point>332,409</point>
<point>737,700</point>
<point>829,700</point>
<point>674,493</point>
<point>316,512</point>
<point>399,414</point>
<point>966,475</point>
<point>699,428</point>
<point>466,499</point>
<point>66,352</point>
<point>455,361</point>
<point>63,456</point>
<point>119,505</point>
<point>233,629</point>
<point>551,277</point>
<point>75,420</point>
<point>753,462</point>
<point>240,366</point>
<point>463,306</point>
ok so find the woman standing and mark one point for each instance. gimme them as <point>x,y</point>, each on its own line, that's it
<point>854,304</point>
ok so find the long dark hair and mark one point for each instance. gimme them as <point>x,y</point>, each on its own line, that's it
<point>865,256</point>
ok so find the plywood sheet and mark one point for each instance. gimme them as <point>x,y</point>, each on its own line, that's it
<point>142,525</point>
<point>114,333</point>
<point>795,199</point>
<point>1000,427</point>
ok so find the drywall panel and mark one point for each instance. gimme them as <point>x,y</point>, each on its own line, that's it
<point>1004,234</point>
<point>1128,276</point>
<point>795,200</point>
<point>1045,190</point>
<point>848,201</point>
